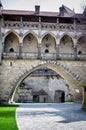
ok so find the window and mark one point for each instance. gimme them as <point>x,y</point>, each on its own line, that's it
<point>79,52</point>
<point>46,38</point>
<point>46,51</point>
<point>29,37</point>
<point>47,44</point>
<point>22,85</point>
<point>11,50</point>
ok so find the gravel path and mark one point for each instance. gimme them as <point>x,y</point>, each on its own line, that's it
<point>50,117</point>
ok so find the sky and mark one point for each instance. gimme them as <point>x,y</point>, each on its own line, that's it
<point>45,5</point>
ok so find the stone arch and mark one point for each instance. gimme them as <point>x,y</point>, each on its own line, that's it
<point>55,66</point>
<point>81,45</point>
<point>11,41</point>
<point>49,43</point>
<point>30,43</point>
<point>66,44</point>
<point>33,33</point>
<point>11,31</point>
<point>43,35</point>
<point>67,35</point>
<point>79,36</point>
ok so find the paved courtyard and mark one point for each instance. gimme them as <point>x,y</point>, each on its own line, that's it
<point>51,117</point>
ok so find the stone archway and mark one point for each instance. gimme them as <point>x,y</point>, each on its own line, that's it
<point>55,66</point>
<point>66,45</point>
<point>30,44</point>
<point>48,47</point>
<point>81,45</point>
<point>11,42</point>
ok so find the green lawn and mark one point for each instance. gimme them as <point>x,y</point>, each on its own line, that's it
<point>7,118</point>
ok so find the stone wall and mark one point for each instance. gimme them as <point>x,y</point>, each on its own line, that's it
<point>12,72</point>
<point>49,85</point>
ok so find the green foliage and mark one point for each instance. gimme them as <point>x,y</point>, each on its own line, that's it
<point>7,118</point>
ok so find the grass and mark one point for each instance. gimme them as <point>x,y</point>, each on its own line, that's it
<point>7,118</point>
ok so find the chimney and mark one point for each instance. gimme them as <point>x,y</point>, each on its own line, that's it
<point>37,9</point>
<point>1,6</point>
<point>61,11</point>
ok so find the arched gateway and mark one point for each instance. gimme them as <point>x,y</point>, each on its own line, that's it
<point>24,69</point>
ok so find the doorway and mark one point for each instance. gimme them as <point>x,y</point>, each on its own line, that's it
<point>59,96</point>
<point>36,98</point>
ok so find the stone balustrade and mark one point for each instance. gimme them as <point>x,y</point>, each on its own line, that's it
<point>14,24</point>
<point>45,56</point>
<point>51,26</point>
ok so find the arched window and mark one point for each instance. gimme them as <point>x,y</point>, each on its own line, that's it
<point>29,37</point>
<point>46,38</point>
<point>46,51</point>
<point>79,52</point>
<point>11,50</point>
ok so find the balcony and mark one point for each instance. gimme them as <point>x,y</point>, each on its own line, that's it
<point>44,56</point>
<point>47,26</point>
<point>81,27</point>
<point>47,56</point>
<point>23,55</point>
<point>66,56</point>
<point>10,55</point>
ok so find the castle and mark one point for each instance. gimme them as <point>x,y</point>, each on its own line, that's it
<point>45,52</point>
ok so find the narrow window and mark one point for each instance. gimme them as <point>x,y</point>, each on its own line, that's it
<point>46,51</point>
<point>11,50</point>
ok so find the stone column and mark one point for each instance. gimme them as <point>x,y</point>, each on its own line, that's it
<point>0,40</point>
<point>57,52</point>
<point>57,24</point>
<point>74,24</point>
<point>21,27</point>
<point>84,98</point>
<point>39,22</point>
<point>75,53</point>
<point>75,45</point>
<point>39,51</point>
<point>20,51</point>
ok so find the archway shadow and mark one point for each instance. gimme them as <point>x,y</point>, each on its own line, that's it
<point>63,113</point>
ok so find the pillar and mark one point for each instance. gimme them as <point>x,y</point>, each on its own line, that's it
<point>75,53</point>
<point>39,51</point>
<point>57,24</point>
<point>20,51</point>
<point>75,48</point>
<point>74,24</point>
<point>0,39</point>
<point>39,22</point>
<point>84,98</point>
<point>21,27</point>
<point>57,52</point>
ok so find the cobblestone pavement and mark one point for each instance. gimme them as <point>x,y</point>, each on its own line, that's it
<point>51,117</point>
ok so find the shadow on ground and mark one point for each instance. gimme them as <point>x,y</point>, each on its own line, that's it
<point>68,112</point>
